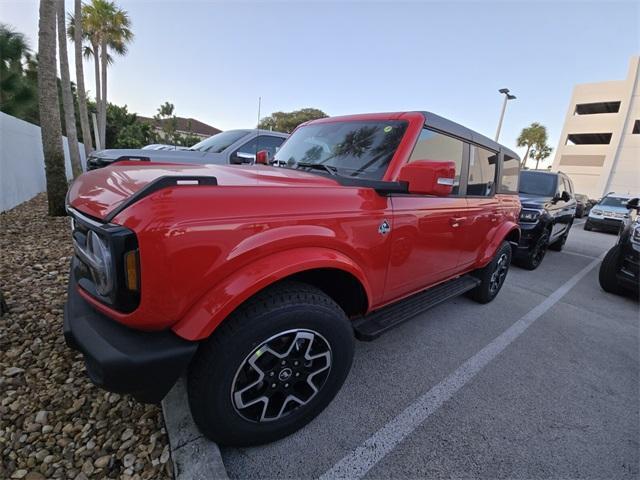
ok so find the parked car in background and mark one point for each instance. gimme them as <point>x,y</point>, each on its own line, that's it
<point>583,205</point>
<point>230,147</point>
<point>609,213</point>
<point>548,209</point>
<point>620,268</point>
<point>254,279</point>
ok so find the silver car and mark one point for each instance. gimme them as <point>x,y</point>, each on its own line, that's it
<point>230,147</point>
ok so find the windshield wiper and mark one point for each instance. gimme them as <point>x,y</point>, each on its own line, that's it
<point>318,166</point>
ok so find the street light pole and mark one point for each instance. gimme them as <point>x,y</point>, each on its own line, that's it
<point>507,97</point>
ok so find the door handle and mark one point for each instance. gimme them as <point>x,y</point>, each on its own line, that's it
<point>456,221</point>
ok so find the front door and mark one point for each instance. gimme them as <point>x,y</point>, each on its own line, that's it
<point>426,230</point>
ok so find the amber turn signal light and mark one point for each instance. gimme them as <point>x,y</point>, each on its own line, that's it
<point>131,270</point>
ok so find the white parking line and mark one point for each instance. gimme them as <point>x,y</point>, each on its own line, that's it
<point>376,447</point>
<point>569,252</point>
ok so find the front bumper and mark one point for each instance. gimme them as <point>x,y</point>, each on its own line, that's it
<point>529,235</point>
<point>118,359</point>
<point>607,224</point>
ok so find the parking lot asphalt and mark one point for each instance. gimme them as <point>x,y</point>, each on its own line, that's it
<point>541,383</point>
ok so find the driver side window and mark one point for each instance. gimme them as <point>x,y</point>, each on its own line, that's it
<point>439,148</point>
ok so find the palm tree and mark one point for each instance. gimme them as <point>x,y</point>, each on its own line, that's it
<point>540,153</point>
<point>49,110</point>
<point>17,92</point>
<point>530,136</point>
<point>67,97</point>
<point>75,32</point>
<point>106,28</point>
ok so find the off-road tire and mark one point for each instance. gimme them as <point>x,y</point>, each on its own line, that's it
<point>533,258</point>
<point>559,244</point>
<point>285,306</point>
<point>608,270</point>
<point>487,290</point>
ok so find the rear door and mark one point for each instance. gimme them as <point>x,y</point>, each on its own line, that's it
<point>425,238</point>
<point>482,217</point>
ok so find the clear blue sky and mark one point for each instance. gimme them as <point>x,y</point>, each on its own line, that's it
<point>213,59</point>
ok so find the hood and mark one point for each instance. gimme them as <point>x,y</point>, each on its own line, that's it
<point>100,192</point>
<point>182,156</point>
<point>533,201</point>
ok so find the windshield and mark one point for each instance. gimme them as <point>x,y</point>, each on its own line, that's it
<point>220,141</point>
<point>614,202</point>
<point>361,149</point>
<point>541,184</point>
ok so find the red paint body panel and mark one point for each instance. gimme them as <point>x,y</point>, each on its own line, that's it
<point>206,249</point>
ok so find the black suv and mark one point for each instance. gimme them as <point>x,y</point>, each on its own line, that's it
<point>620,269</point>
<point>548,208</point>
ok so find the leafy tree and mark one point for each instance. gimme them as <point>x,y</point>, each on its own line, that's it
<point>167,122</point>
<point>51,132</point>
<point>67,96</point>
<point>286,122</point>
<point>534,134</point>
<point>540,153</point>
<point>124,130</point>
<point>18,76</point>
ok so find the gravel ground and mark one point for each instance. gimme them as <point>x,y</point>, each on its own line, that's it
<point>53,422</point>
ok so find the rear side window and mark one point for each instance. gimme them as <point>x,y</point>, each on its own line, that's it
<point>482,172</point>
<point>439,148</point>
<point>510,174</point>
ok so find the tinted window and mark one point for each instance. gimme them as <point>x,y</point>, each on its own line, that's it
<point>262,142</point>
<point>510,174</point>
<point>535,183</point>
<point>482,172</point>
<point>439,148</point>
<point>361,149</point>
<point>220,141</point>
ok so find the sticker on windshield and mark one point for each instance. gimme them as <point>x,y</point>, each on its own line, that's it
<point>388,128</point>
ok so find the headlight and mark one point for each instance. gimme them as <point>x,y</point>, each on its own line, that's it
<point>529,215</point>
<point>595,211</point>
<point>101,265</point>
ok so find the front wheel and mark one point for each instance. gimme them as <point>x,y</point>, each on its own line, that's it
<point>492,276</point>
<point>534,257</point>
<point>607,275</point>
<point>271,367</point>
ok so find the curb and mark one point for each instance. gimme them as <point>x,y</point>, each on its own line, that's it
<point>193,455</point>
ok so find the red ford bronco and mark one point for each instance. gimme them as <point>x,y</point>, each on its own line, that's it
<point>254,278</point>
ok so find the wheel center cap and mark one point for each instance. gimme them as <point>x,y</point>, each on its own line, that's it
<point>285,374</point>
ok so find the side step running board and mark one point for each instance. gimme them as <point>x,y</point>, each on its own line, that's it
<point>373,325</point>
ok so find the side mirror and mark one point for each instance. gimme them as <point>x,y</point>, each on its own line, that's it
<point>634,204</point>
<point>262,157</point>
<point>429,178</point>
<point>565,197</point>
<point>240,157</point>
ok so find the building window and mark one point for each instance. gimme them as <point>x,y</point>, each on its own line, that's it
<point>588,139</point>
<point>598,107</point>
<point>636,127</point>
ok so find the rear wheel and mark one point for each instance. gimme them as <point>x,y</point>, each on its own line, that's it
<point>608,270</point>
<point>492,276</point>
<point>271,367</point>
<point>534,257</point>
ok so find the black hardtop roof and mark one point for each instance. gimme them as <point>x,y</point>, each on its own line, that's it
<point>447,126</point>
